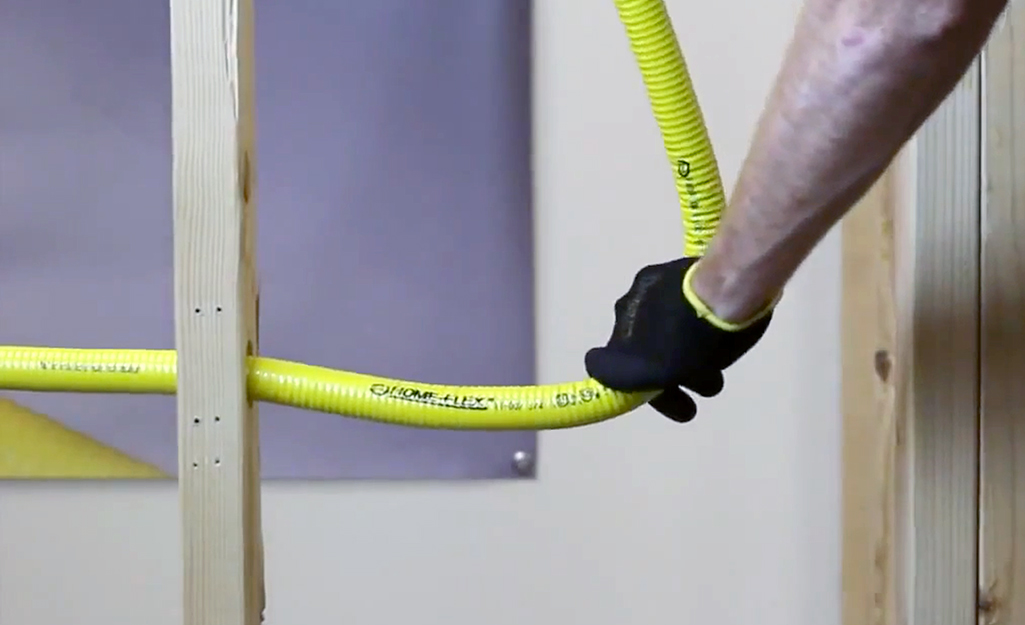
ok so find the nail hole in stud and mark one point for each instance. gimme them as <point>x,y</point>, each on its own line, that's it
<point>217,419</point>
<point>195,420</point>
<point>197,311</point>
<point>195,465</point>
<point>219,309</point>
<point>217,461</point>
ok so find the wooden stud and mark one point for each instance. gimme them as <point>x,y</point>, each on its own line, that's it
<point>1002,534</point>
<point>870,418</point>
<point>215,309</point>
<point>944,366</point>
<point>911,380</point>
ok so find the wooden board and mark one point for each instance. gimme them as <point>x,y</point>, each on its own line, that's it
<point>215,308</point>
<point>870,425</point>
<point>1002,536</point>
<point>944,372</point>
<point>910,376</point>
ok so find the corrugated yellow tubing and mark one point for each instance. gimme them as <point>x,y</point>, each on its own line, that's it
<point>418,404</point>
<point>684,134</point>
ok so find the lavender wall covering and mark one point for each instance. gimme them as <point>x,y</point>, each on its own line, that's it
<point>394,216</point>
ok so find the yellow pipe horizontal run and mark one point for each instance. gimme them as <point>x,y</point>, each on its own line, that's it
<point>142,371</point>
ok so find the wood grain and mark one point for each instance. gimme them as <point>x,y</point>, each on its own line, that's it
<point>944,373</point>
<point>911,380</point>
<point>1002,535</point>
<point>215,309</point>
<point>870,418</point>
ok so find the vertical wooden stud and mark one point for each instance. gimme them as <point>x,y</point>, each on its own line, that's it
<point>944,374</point>
<point>215,308</point>
<point>870,416</point>
<point>1002,517</point>
<point>911,380</point>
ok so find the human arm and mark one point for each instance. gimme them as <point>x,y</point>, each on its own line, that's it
<point>858,80</point>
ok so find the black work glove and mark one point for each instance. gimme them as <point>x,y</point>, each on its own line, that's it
<point>666,339</point>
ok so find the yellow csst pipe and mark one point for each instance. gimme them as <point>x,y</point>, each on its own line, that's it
<point>417,404</point>
<point>684,133</point>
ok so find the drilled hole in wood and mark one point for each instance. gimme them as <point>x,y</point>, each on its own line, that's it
<point>249,354</point>
<point>195,420</point>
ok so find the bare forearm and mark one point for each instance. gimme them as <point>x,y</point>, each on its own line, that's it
<point>859,78</point>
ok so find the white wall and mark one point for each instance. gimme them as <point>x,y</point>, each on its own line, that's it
<point>732,519</point>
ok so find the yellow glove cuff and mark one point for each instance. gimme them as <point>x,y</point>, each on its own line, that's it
<point>704,312</point>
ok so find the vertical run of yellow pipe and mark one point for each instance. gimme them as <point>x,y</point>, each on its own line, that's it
<point>698,183</point>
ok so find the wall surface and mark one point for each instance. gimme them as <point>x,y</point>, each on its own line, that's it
<point>393,224</point>
<point>733,519</point>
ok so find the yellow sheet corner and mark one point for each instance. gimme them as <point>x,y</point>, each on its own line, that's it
<point>33,445</point>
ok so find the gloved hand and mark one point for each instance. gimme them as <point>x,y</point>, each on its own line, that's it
<point>665,338</point>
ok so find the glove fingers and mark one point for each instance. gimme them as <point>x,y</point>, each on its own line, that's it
<point>675,404</point>
<point>623,371</point>
<point>706,383</point>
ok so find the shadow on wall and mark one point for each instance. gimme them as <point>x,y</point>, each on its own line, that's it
<point>394,214</point>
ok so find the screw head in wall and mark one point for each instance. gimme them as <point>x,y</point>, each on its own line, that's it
<point>523,463</point>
